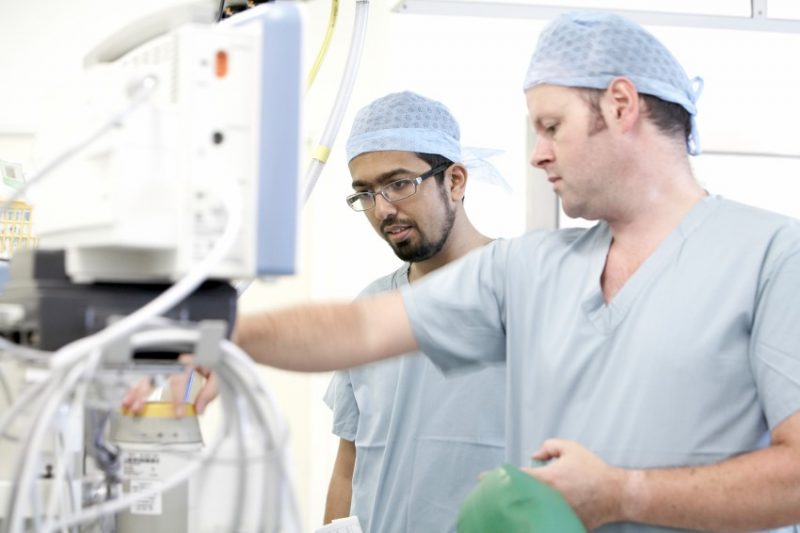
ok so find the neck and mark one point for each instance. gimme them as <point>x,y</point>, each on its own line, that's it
<point>659,198</point>
<point>463,238</point>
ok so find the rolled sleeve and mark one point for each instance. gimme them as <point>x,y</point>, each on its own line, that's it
<point>457,314</point>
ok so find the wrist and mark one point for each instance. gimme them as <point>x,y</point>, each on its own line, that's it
<point>632,495</point>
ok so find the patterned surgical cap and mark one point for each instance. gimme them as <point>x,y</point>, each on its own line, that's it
<point>409,122</point>
<point>589,49</point>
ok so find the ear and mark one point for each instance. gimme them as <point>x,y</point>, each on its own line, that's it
<point>458,181</point>
<point>623,103</point>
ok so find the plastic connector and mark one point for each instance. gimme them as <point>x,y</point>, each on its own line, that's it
<point>208,352</point>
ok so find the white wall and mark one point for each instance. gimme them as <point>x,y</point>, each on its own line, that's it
<point>475,66</point>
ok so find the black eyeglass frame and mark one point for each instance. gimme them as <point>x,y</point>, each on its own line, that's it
<point>353,198</point>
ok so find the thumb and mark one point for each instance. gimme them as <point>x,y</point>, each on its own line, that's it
<point>206,394</point>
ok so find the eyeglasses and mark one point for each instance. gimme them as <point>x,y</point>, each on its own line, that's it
<point>393,191</point>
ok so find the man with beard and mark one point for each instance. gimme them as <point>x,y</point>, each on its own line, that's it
<point>412,441</point>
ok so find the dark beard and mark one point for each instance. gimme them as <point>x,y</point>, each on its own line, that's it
<point>426,249</point>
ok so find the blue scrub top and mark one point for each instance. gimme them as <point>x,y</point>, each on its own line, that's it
<point>421,438</point>
<point>691,363</point>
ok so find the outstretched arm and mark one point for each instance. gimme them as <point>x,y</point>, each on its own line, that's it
<point>318,338</point>
<point>754,491</point>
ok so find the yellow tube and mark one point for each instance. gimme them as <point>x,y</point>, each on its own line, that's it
<point>326,42</point>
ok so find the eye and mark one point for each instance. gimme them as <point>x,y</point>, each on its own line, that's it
<point>551,129</point>
<point>399,185</point>
<point>358,196</point>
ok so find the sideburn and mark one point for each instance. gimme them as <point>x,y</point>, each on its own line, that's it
<point>596,121</point>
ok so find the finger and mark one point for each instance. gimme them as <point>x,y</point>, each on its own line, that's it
<point>142,386</point>
<point>545,474</point>
<point>137,394</point>
<point>186,358</point>
<point>206,394</point>
<point>533,472</point>
<point>550,449</point>
<point>178,384</point>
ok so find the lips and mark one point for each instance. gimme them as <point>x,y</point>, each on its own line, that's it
<point>397,232</point>
<point>553,179</point>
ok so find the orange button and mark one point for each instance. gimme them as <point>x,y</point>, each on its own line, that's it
<point>221,64</point>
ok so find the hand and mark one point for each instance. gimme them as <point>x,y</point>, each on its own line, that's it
<point>207,392</point>
<point>592,488</point>
<point>137,395</point>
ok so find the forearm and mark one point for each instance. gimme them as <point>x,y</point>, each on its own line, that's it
<point>340,493</point>
<point>340,489</point>
<point>755,491</point>
<point>327,337</point>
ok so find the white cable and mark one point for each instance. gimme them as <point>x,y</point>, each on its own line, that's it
<point>54,393</point>
<point>142,339</point>
<point>141,94</point>
<point>23,353</point>
<point>70,353</point>
<point>119,504</point>
<point>241,478</point>
<point>342,96</point>
<point>62,380</point>
<point>244,370</point>
<point>6,388</point>
<point>27,472</point>
<point>238,357</point>
<point>236,381</point>
<point>22,402</point>
<point>250,371</point>
<point>242,366</point>
<point>64,471</point>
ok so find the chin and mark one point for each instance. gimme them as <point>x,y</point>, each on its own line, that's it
<point>401,249</point>
<point>577,210</point>
<point>572,211</point>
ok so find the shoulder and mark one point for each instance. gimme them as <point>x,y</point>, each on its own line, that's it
<point>739,235</point>
<point>750,214</point>
<point>755,227</point>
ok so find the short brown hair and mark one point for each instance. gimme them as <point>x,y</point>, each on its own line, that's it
<point>670,118</point>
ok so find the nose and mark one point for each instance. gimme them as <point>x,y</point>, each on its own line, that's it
<point>542,153</point>
<point>383,207</point>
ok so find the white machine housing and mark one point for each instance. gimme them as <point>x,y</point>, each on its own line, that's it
<point>147,200</point>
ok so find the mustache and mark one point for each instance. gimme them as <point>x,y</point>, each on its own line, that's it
<point>393,220</point>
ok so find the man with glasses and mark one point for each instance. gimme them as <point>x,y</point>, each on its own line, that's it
<point>412,442</point>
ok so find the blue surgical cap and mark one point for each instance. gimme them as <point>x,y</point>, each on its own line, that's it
<point>589,49</point>
<point>409,122</point>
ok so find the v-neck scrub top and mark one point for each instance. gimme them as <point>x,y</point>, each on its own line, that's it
<point>691,363</point>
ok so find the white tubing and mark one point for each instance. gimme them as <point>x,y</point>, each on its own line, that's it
<point>141,94</point>
<point>342,97</point>
<point>70,353</point>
